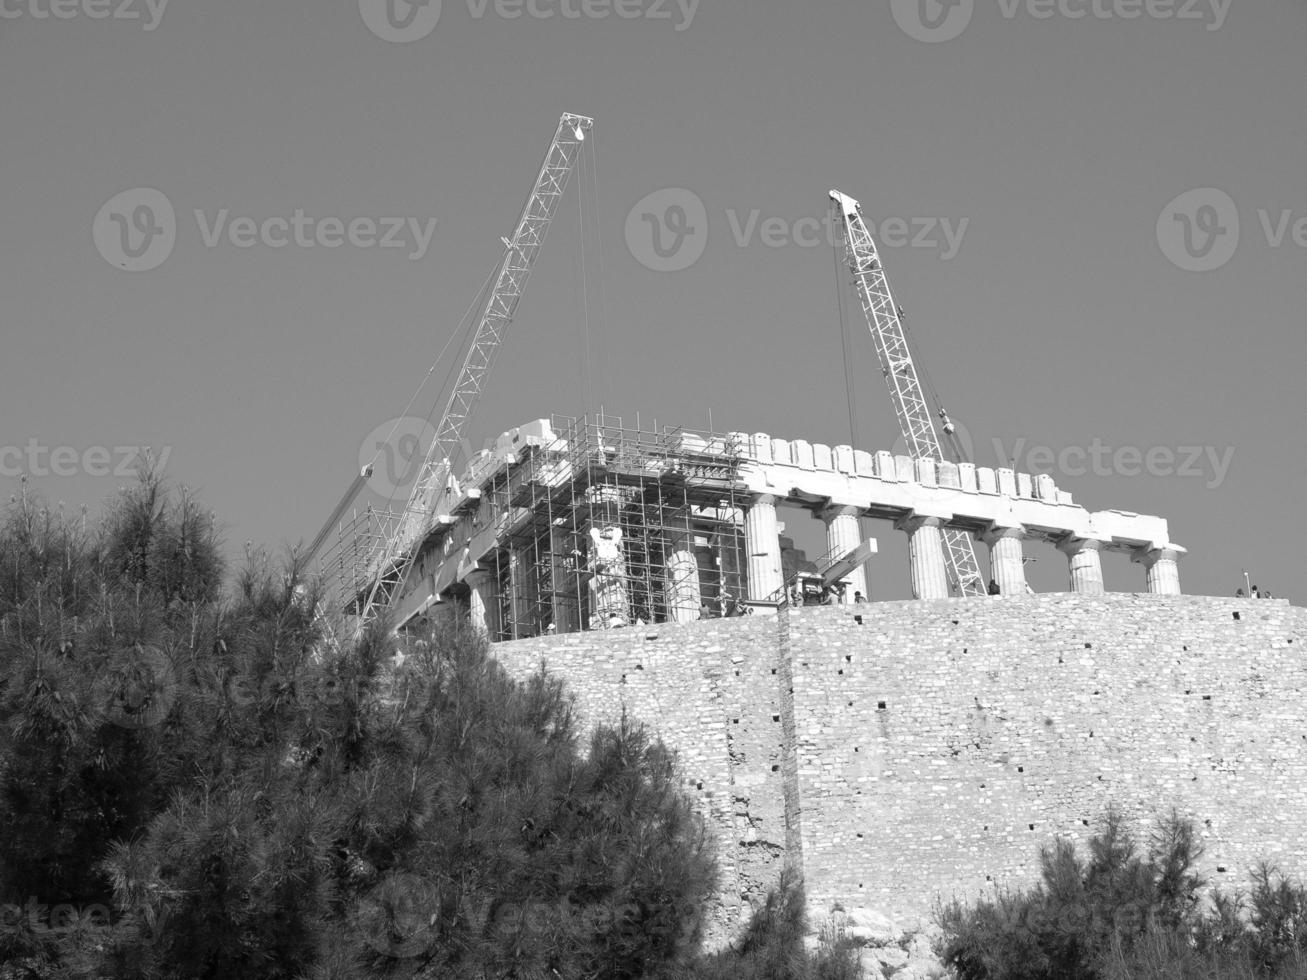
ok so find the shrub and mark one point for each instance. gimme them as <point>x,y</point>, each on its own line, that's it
<point>1124,914</point>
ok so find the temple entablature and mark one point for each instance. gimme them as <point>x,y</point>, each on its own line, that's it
<point>557,492</point>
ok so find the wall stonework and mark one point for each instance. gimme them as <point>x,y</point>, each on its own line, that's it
<point>936,745</point>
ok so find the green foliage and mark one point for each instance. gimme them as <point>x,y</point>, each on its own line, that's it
<point>771,947</point>
<point>1125,914</point>
<point>198,785</point>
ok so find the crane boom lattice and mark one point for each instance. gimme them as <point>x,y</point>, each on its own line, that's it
<point>396,551</point>
<point>916,420</point>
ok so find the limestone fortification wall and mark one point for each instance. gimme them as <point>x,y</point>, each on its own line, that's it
<point>930,749</point>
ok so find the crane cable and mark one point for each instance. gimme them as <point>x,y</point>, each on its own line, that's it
<point>605,365</point>
<point>587,382</point>
<point>928,383</point>
<point>842,300</point>
<point>352,492</point>
<point>465,328</point>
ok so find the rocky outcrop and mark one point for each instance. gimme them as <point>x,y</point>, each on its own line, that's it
<point>885,948</point>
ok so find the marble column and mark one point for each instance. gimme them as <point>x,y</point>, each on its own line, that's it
<point>1007,564</point>
<point>926,556</point>
<point>763,543</point>
<point>1085,558</point>
<point>610,602</point>
<point>519,590</point>
<point>683,593</point>
<point>482,603</point>
<point>562,565</point>
<point>1163,568</point>
<point>843,534</point>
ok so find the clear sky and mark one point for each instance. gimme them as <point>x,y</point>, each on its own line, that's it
<point>1051,139</point>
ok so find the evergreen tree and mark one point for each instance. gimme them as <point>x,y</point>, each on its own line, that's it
<point>196,785</point>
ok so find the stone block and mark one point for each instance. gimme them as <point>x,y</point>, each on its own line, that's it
<point>844,460</point>
<point>948,475</point>
<point>1025,485</point>
<point>892,958</point>
<point>886,468</point>
<point>540,432</point>
<point>780,452</point>
<point>801,454</point>
<point>967,477</point>
<point>1045,489</point>
<point>863,463</point>
<point>906,468</point>
<point>761,447</point>
<point>822,457</point>
<point>874,928</point>
<point>926,472</point>
<point>1064,497</point>
<point>986,480</point>
<point>1007,482</point>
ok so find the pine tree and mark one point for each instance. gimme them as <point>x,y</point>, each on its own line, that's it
<point>198,784</point>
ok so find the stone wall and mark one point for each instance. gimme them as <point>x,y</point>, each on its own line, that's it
<point>935,745</point>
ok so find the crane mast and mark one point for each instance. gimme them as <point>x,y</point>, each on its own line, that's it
<point>396,554</point>
<point>916,421</point>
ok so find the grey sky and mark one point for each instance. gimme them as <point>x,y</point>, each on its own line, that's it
<point>1060,321</point>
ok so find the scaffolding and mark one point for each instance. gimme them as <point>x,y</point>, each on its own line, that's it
<point>664,503</point>
<point>606,525</point>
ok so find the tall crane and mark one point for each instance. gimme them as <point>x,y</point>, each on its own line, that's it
<point>916,421</point>
<point>389,565</point>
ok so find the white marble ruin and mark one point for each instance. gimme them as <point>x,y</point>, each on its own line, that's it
<point>1004,510</point>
